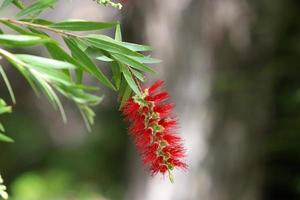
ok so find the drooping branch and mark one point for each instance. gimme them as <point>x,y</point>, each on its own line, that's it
<point>38,26</point>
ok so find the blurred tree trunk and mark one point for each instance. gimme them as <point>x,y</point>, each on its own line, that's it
<point>222,98</point>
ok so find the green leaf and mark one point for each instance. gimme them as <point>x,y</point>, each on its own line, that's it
<point>145,59</point>
<point>36,7</point>
<point>7,83</point>
<point>116,74</point>
<point>46,75</point>
<point>108,44</point>
<point>4,108</point>
<point>44,62</point>
<point>78,95</point>
<point>128,77</point>
<point>88,115</point>
<point>82,25</point>
<point>137,47</point>
<point>38,32</point>
<point>58,53</point>
<point>2,129</point>
<point>21,40</point>
<point>18,4</point>
<point>51,95</point>
<point>38,21</point>
<point>98,54</point>
<point>118,34</point>
<point>131,62</point>
<point>17,28</point>
<point>87,62</point>
<point>124,92</point>
<point>5,4</point>
<point>104,58</point>
<point>5,138</point>
<point>125,96</point>
<point>138,75</point>
<point>20,66</point>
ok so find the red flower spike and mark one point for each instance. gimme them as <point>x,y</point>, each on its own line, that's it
<point>153,130</point>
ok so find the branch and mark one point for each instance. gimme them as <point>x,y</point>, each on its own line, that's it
<point>39,26</point>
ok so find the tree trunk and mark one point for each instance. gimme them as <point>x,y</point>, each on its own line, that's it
<point>204,46</point>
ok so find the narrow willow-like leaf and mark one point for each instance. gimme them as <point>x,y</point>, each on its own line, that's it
<point>38,21</point>
<point>4,108</point>
<point>7,83</point>
<point>85,87</point>
<point>58,53</point>
<point>87,62</point>
<point>52,97</point>
<point>19,66</point>
<point>53,76</point>
<point>44,62</point>
<point>79,96</point>
<point>45,75</point>
<point>115,67</point>
<point>17,28</point>
<point>137,47</point>
<point>104,58</point>
<point>108,44</point>
<point>131,62</point>
<point>124,92</point>
<point>43,86</point>
<point>123,85</point>
<point>129,78</point>
<point>36,7</point>
<point>96,52</point>
<point>18,4</point>
<point>50,75</point>
<point>145,59</point>
<point>21,40</point>
<point>4,138</point>
<point>82,45</point>
<point>116,74</point>
<point>2,129</point>
<point>82,25</point>
<point>125,96</point>
<point>87,115</point>
<point>5,4</point>
<point>138,75</point>
<point>118,33</point>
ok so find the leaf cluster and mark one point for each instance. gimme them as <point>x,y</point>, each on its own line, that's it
<point>62,71</point>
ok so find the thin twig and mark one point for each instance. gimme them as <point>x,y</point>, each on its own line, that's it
<point>39,26</point>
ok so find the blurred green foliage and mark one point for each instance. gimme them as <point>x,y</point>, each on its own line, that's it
<point>280,20</point>
<point>37,168</point>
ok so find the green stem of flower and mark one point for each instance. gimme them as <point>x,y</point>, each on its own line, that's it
<point>171,177</point>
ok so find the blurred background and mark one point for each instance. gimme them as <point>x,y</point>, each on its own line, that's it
<point>232,68</point>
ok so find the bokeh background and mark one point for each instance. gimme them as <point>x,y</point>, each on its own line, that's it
<point>232,68</point>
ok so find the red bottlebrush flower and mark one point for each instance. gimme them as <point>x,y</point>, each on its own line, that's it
<point>153,130</point>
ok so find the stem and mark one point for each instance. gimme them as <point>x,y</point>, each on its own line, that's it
<point>39,26</point>
<point>171,177</point>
